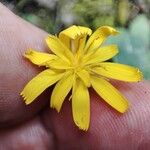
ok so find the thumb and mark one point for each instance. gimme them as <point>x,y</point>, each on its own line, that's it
<point>16,35</point>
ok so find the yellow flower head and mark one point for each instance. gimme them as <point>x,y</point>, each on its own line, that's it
<point>78,63</point>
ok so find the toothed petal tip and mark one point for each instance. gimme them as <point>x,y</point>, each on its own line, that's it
<point>83,128</point>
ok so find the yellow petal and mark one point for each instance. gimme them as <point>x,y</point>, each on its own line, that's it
<point>81,105</point>
<point>98,37</point>
<point>85,30</point>
<point>110,94</point>
<point>72,35</point>
<point>61,90</point>
<point>81,45</point>
<point>39,58</point>
<point>77,45</point>
<point>38,84</point>
<point>57,47</point>
<point>59,64</point>
<point>74,32</point>
<point>85,77</point>
<point>119,72</point>
<point>101,54</point>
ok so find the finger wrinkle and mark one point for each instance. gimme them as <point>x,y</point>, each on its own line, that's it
<point>108,129</point>
<point>123,131</point>
<point>31,135</point>
<point>10,35</point>
<point>48,125</point>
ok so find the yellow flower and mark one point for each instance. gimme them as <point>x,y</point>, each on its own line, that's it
<point>77,63</point>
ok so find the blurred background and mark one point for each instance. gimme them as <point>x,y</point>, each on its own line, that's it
<point>130,17</point>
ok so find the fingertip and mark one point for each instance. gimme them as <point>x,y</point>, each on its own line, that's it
<point>108,128</point>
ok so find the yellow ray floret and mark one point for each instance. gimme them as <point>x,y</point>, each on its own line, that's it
<point>101,54</point>
<point>99,36</point>
<point>77,63</point>
<point>118,72</point>
<point>38,84</point>
<point>61,90</point>
<point>39,58</point>
<point>58,48</point>
<point>110,94</point>
<point>81,105</point>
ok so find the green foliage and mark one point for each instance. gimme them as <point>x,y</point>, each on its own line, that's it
<point>94,13</point>
<point>123,11</point>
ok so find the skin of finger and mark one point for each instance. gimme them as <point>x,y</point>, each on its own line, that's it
<point>108,128</point>
<point>28,136</point>
<point>16,35</point>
